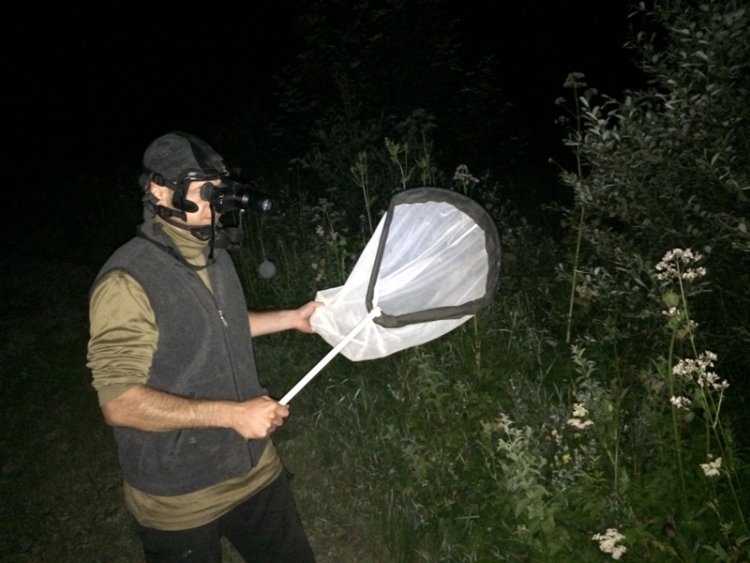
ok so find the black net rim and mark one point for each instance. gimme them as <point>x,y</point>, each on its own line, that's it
<point>492,244</point>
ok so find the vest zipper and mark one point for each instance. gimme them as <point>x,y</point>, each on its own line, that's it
<point>226,342</point>
<point>221,316</point>
<point>253,459</point>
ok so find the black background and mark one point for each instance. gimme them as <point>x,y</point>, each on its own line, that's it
<point>86,89</point>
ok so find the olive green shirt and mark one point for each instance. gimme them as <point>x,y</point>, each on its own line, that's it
<point>124,337</point>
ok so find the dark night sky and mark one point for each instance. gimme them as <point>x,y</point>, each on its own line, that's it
<point>93,89</point>
<point>88,91</point>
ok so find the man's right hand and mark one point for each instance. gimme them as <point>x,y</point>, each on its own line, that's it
<point>257,418</point>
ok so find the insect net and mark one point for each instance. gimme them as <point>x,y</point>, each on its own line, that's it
<point>431,264</point>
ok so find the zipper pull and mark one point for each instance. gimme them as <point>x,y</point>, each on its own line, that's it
<point>221,315</point>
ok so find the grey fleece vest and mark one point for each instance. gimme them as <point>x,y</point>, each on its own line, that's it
<point>204,351</point>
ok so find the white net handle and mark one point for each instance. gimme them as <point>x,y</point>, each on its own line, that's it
<point>335,350</point>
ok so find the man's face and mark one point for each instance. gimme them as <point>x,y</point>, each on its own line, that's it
<point>199,218</point>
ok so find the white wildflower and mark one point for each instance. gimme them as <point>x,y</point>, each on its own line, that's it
<point>608,542</point>
<point>579,413</point>
<point>692,274</point>
<point>579,410</point>
<point>319,231</point>
<point>674,265</point>
<point>680,402</point>
<point>711,469</point>
<point>463,175</point>
<point>698,370</point>
<point>671,312</point>
<point>580,424</point>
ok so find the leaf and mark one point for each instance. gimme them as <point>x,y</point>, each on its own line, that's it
<point>521,505</point>
<point>701,55</point>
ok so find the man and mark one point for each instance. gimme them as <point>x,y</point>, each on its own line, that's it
<point>172,361</point>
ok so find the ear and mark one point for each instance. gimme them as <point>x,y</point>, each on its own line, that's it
<point>162,194</point>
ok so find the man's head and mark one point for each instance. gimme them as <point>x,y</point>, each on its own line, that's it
<point>186,183</point>
<point>175,166</point>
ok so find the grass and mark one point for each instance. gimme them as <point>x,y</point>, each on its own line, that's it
<point>60,480</point>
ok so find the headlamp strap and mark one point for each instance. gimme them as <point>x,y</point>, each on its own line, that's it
<point>180,200</point>
<point>213,233</point>
<point>167,213</point>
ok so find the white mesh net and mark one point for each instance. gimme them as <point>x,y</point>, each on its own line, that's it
<point>435,257</point>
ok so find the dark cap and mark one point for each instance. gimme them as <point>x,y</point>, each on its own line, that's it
<point>177,157</point>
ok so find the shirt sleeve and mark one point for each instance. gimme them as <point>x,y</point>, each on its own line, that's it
<point>123,335</point>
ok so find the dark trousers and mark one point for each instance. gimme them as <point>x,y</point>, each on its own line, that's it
<point>266,528</point>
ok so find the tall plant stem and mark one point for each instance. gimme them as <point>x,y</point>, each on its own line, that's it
<point>360,176</point>
<point>675,431</point>
<point>580,221</point>
<point>575,276</point>
<point>618,409</point>
<point>477,346</point>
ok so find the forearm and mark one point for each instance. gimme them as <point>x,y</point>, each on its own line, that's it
<point>268,322</point>
<point>144,408</point>
<point>147,409</point>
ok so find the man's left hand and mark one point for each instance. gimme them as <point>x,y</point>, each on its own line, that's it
<point>303,316</point>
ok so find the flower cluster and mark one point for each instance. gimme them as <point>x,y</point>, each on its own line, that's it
<point>698,371</point>
<point>674,265</point>
<point>319,270</point>
<point>579,413</point>
<point>575,80</point>
<point>464,177</point>
<point>680,402</point>
<point>711,469</point>
<point>608,542</point>
<point>672,312</point>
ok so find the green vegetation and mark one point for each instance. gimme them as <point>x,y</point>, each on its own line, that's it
<point>596,410</point>
<point>593,410</point>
